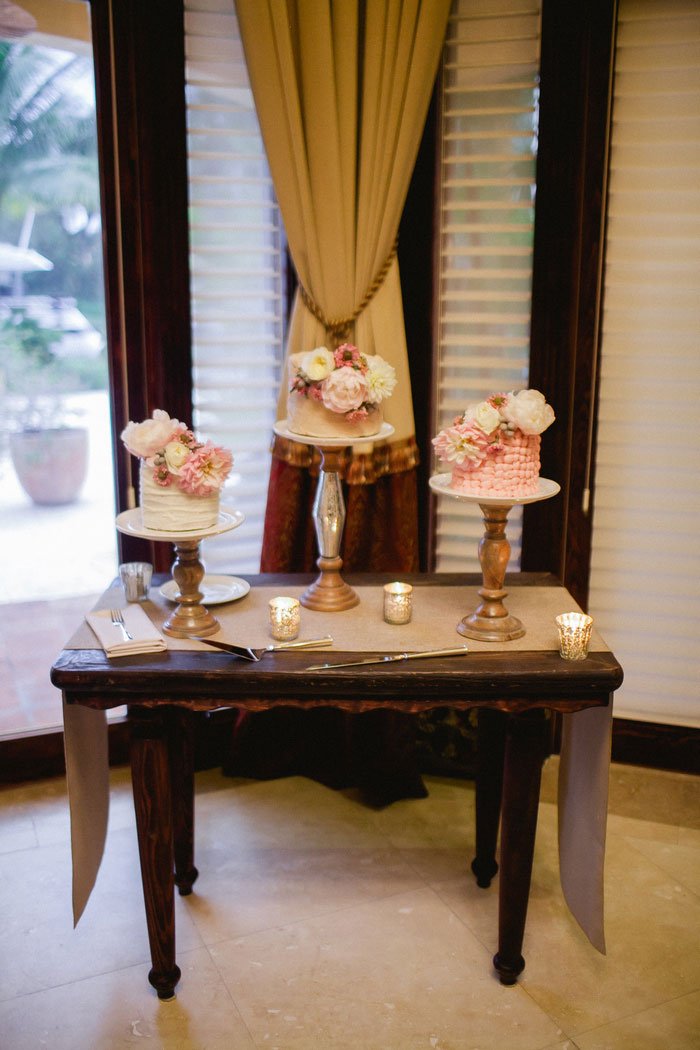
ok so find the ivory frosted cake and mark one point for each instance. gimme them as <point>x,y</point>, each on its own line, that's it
<point>493,448</point>
<point>180,477</point>
<point>338,393</point>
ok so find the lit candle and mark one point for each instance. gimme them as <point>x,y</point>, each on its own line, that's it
<point>285,614</point>
<point>574,635</point>
<point>398,599</point>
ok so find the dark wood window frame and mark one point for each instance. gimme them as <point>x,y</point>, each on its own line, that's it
<point>140,84</point>
<point>139,56</point>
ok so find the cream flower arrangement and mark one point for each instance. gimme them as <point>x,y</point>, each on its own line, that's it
<point>345,380</point>
<point>484,428</point>
<point>176,455</point>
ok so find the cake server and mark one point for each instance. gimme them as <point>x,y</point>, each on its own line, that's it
<point>256,654</point>
<point>393,659</point>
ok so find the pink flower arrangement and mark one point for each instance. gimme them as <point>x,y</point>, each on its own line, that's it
<point>483,429</point>
<point>174,453</point>
<point>344,380</point>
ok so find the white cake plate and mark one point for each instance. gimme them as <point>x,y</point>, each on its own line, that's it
<point>491,622</point>
<point>440,483</point>
<point>190,617</point>
<point>281,429</point>
<point>329,592</point>
<point>130,522</point>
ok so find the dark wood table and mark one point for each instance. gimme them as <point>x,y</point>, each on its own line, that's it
<point>511,689</point>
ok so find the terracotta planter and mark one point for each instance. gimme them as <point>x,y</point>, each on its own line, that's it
<point>51,464</point>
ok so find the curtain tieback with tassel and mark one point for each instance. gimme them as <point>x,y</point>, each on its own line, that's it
<point>340,329</point>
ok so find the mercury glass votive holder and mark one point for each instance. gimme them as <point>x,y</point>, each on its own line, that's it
<point>398,602</point>
<point>574,635</point>
<point>136,578</point>
<point>285,616</point>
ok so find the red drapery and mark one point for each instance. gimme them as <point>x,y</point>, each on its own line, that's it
<point>373,751</point>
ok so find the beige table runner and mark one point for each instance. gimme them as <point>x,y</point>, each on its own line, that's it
<point>436,613</point>
<point>585,756</point>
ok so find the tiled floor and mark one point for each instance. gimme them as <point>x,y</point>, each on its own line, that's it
<point>320,923</point>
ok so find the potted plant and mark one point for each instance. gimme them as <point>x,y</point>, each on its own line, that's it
<point>48,450</point>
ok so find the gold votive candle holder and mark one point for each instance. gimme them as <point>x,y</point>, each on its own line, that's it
<point>285,616</point>
<point>574,635</point>
<point>398,602</point>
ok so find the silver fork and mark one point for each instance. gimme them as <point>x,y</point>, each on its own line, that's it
<point>118,621</point>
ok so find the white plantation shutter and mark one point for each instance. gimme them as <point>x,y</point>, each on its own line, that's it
<point>236,263</point>
<point>645,564</point>
<point>486,216</point>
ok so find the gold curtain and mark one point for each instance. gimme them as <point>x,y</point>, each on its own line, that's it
<point>342,89</point>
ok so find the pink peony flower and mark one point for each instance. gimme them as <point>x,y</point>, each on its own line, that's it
<point>206,470</point>
<point>147,438</point>
<point>344,390</point>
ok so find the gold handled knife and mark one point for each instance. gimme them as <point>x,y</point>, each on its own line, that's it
<point>392,659</point>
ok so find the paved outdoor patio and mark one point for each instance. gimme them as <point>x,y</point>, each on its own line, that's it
<point>56,560</point>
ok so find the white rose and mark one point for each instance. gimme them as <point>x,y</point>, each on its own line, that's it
<point>317,364</point>
<point>175,455</point>
<point>381,378</point>
<point>486,416</point>
<point>344,390</point>
<point>529,411</point>
<point>145,439</point>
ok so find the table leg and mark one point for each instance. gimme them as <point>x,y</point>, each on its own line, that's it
<point>181,754</point>
<point>491,742</point>
<point>150,775</point>
<point>524,754</point>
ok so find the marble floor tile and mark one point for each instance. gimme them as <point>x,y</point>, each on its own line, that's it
<point>112,1012</point>
<point>37,932</point>
<point>318,923</point>
<point>657,795</point>
<point>302,813</point>
<point>653,948</point>
<point>674,1025</point>
<point>681,862</point>
<point>401,973</point>
<point>256,889</point>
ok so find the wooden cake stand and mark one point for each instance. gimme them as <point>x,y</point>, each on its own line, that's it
<point>190,616</point>
<point>329,592</point>
<point>491,622</point>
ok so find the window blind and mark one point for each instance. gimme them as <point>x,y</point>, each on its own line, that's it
<point>236,265</point>
<point>645,564</point>
<point>485,230</point>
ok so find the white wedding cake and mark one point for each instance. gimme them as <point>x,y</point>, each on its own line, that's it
<point>180,477</point>
<point>338,394</point>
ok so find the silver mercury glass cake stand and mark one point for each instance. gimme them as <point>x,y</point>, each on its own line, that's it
<point>329,592</point>
<point>190,616</point>
<point>491,622</point>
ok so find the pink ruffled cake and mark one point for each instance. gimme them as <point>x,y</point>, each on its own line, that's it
<point>493,448</point>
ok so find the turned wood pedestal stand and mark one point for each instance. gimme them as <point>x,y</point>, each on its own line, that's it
<point>190,616</point>
<point>491,621</point>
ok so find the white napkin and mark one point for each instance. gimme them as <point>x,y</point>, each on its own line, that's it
<point>146,637</point>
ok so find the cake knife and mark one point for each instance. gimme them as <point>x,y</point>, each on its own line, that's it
<point>391,659</point>
<point>255,654</point>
